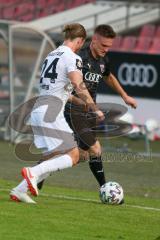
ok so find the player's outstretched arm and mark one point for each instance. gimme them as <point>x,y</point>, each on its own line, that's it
<point>112,82</point>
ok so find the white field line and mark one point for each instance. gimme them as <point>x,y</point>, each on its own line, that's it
<point>57,196</point>
<point>95,201</point>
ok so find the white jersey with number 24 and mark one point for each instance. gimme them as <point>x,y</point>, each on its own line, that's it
<point>54,79</point>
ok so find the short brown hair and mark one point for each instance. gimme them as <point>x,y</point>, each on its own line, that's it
<point>74,30</point>
<point>105,31</point>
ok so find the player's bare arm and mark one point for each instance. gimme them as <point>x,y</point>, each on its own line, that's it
<point>112,82</point>
<point>76,100</point>
<point>82,92</point>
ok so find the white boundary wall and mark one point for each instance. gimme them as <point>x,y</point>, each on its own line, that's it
<point>147,108</point>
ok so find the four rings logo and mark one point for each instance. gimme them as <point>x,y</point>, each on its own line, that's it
<point>137,75</point>
<point>92,77</point>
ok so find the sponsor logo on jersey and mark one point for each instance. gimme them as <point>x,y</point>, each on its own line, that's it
<point>92,77</point>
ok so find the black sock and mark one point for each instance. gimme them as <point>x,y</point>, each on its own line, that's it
<point>96,167</point>
<point>40,184</point>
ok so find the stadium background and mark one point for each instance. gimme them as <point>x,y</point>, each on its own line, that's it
<point>28,31</point>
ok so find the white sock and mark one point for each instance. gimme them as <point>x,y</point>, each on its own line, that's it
<point>42,177</point>
<point>52,165</point>
<point>22,186</point>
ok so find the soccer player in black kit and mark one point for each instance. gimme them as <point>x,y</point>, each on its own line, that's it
<point>95,69</point>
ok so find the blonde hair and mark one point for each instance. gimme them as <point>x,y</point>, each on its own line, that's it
<point>74,30</point>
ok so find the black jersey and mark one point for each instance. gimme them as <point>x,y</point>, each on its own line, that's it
<point>93,70</point>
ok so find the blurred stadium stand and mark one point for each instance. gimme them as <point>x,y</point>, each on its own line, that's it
<point>117,43</point>
<point>128,43</point>
<point>143,44</point>
<point>145,40</point>
<point>155,47</point>
<point>28,10</point>
<point>147,30</point>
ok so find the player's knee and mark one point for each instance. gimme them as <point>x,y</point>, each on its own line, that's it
<point>96,149</point>
<point>74,154</point>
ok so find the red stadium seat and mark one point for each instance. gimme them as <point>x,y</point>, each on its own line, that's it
<point>90,1</point>
<point>60,7</point>
<point>55,3</point>
<point>128,43</point>
<point>147,30</point>
<point>75,3</point>
<point>8,2</point>
<point>155,47</point>
<point>143,44</point>
<point>42,13</point>
<point>52,7</point>
<point>116,43</point>
<point>41,4</point>
<point>51,2</point>
<point>157,33</point>
<point>24,8</point>
<point>28,10</point>
<point>8,13</point>
<point>27,17</point>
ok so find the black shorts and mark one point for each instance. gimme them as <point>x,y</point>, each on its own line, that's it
<point>82,124</point>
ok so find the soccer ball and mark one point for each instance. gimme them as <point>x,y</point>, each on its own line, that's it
<point>111,193</point>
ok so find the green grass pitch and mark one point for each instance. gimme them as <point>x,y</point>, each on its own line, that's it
<point>69,208</point>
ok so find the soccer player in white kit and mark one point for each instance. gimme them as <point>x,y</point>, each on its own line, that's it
<point>61,72</point>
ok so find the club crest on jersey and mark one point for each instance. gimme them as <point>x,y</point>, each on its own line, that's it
<point>79,64</point>
<point>102,68</point>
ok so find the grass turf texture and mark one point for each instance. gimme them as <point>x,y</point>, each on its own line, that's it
<point>74,210</point>
<point>58,218</point>
<point>139,176</point>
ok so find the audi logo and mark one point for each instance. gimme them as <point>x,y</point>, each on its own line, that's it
<point>92,77</point>
<point>137,75</point>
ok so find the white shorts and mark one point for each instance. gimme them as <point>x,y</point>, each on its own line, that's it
<point>51,135</point>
